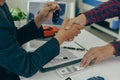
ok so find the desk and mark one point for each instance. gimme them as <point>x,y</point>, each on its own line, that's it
<point>109,69</point>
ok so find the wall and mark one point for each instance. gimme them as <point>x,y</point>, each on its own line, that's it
<point>20,3</point>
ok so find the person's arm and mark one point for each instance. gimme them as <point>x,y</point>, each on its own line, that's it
<point>104,11</point>
<point>29,32</point>
<point>15,59</point>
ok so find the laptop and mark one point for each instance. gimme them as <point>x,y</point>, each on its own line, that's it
<point>66,56</point>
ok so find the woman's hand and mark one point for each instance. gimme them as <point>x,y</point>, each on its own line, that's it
<point>79,20</point>
<point>97,54</point>
<point>46,13</point>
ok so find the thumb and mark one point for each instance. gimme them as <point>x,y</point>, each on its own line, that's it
<point>65,22</point>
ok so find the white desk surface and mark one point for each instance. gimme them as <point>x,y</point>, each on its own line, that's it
<point>109,69</point>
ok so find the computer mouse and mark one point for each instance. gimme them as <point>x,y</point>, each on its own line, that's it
<point>100,78</point>
<point>56,15</point>
<point>96,78</point>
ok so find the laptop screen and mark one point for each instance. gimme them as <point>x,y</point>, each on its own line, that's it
<point>35,7</point>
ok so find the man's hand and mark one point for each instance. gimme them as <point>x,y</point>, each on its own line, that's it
<point>97,54</point>
<point>46,12</point>
<point>64,35</point>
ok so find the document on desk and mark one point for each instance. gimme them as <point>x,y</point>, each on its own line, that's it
<point>66,57</point>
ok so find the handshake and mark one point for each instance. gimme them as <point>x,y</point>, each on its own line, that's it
<point>70,28</point>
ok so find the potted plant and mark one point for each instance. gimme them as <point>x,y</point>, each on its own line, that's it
<point>18,16</point>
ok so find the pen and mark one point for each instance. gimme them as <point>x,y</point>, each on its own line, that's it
<point>79,45</point>
<point>72,48</point>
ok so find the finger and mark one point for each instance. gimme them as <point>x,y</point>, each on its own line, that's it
<point>79,27</point>
<point>68,40</point>
<point>74,31</point>
<point>65,22</point>
<point>47,11</point>
<point>71,39</point>
<point>86,56</point>
<point>79,23</point>
<point>48,4</point>
<point>54,5</point>
<point>69,25</point>
<point>57,5</point>
<point>82,27</point>
<point>89,61</point>
<point>83,62</point>
<point>78,32</point>
<point>98,60</point>
<point>50,14</point>
<point>89,52</point>
<point>52,8</point>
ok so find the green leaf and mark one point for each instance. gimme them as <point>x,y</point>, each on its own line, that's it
<point>18,14</point>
